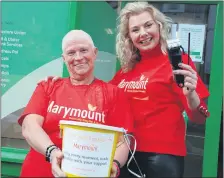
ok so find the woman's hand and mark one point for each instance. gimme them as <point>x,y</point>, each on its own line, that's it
<point>190,78</point>
<point>190,84</point>
<point>56,158</point>
<point>54,79</point>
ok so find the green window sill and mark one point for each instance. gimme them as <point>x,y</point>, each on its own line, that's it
<point>13,155</point>
<point>11,161</point>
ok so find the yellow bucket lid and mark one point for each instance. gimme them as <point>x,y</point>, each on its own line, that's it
<point>91,125</point>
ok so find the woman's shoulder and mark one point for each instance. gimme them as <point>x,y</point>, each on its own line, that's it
<point>119,75</point>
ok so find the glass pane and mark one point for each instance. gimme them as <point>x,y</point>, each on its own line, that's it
<point>25,55</point>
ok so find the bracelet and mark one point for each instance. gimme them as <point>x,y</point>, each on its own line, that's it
<point>48,152</point>
<point>117,162</point>
<point>203,109</point>
<point>50,158</point>
<point>118,168</point>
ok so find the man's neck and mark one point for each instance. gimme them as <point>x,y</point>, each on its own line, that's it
<point>82,81</point>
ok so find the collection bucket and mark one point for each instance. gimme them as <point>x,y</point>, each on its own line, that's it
<point>88,148</point>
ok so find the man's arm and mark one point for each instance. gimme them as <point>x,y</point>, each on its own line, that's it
<point>34,134</point>
<point>38,139</point>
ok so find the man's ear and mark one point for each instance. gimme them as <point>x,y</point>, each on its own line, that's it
<point>96,51</point>
<point>63,57</point>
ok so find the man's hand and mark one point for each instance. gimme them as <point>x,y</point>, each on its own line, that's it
<point>56,158</point>
<point>115,171</point>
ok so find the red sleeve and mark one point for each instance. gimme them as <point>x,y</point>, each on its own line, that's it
<point>201,90</point>
<point>38,102</point>
<point>120,113</point>
<point>116,79</point>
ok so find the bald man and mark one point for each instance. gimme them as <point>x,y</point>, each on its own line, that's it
<point>61,100</point>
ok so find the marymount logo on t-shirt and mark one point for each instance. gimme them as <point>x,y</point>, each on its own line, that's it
<point>134,85</point>
<point>77,113</point>
<point>91,107</point>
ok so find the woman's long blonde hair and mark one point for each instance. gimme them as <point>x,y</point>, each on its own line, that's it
<point>126,52</point>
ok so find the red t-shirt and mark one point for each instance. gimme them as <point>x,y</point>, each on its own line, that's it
<point>98,102</point>
<point>157,103</point>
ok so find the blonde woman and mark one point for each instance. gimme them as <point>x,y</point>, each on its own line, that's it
<point>157,102</point>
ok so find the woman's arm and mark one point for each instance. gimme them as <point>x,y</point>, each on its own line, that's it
<point>121,156</point>
<point>196,109</point>
<point>121,153</point>
<point>193,104</point>
<point>193,100</point>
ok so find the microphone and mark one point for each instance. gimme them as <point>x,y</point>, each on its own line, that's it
<point>175,56</point>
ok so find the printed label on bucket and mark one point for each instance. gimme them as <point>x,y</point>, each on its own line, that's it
<point>87,153</point>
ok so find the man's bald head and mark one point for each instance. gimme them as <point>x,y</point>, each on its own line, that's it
<point>76,34</point>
